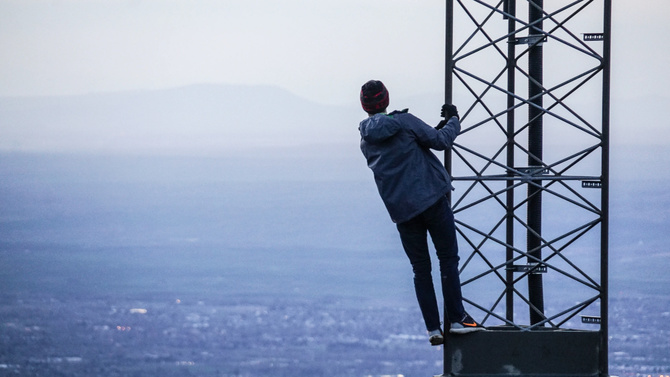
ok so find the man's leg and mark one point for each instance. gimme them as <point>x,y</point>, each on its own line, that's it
<point>414,237</point>
<point>440,223</point>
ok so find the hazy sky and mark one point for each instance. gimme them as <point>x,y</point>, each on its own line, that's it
<point>323,50</point>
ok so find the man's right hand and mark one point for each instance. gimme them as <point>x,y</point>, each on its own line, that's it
<point>448,111</point>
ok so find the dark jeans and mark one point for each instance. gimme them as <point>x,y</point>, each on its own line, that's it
<point>438,220</point>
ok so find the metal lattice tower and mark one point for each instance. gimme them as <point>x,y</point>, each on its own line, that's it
<point>531,80</point>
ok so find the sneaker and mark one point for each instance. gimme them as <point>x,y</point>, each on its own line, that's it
<point>465,325</point>
<point>436,337</point>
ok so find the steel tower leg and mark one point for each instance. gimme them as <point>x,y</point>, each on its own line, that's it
<point>535,112</point>
<point>604,232</point>
<point>448,79</point>
<point>510,8</point>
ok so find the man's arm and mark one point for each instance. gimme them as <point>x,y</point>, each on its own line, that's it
<point>438,139</point>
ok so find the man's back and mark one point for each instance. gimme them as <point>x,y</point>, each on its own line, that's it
<point>409,176</point>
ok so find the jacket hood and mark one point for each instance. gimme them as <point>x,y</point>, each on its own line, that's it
<point>378,127</point>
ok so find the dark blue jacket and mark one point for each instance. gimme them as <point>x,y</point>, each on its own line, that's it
<point>409,177</point>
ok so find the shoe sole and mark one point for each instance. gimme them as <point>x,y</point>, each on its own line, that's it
<point>466,330</point>
<point>436,341</point>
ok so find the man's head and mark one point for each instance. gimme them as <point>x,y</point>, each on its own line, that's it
<point>374,97</point>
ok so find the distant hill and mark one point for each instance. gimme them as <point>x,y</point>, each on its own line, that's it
<point>227,119</point>
<point>198,118</point>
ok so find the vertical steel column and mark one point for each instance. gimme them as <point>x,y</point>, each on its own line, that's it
<point>604,231</point>
<point>448,97</point>
<point>448,68</point>
<point>535,146</point>
<point>510,10</point>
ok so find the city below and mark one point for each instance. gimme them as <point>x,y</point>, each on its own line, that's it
<point>179,337</point>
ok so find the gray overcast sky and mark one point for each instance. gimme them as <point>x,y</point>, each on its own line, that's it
<point>317,49</point>
<point>323,50</point>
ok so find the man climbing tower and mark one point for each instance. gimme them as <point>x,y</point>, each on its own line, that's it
<point>413,185</point>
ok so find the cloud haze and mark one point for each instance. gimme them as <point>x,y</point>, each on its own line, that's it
<point>318,50</point>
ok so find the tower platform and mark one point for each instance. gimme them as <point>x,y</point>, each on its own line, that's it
<point>510,351</point>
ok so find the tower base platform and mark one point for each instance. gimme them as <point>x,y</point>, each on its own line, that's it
<point>510,351</point>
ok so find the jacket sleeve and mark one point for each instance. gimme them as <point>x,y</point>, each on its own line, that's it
<point>429,137</point>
